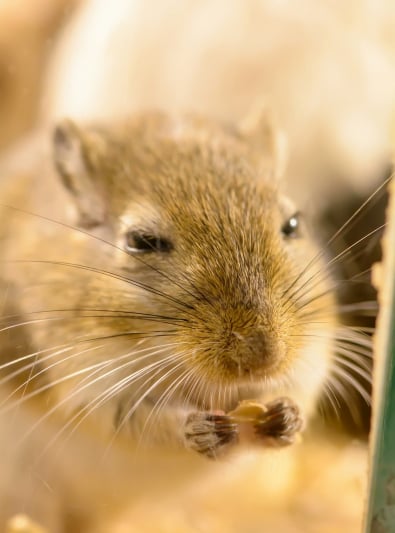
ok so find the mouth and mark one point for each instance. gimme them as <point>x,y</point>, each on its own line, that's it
<point>227,398</point>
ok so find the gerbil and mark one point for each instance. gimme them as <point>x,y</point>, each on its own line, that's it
<point>159,276</point>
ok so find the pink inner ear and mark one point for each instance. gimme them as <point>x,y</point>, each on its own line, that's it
<point>68,150</point>
<point>71,161</point>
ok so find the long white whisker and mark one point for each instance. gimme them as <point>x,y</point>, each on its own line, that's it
<point>357,369</point>
<point>98,401</point>
<point>44,370</point>
<point>79,372</point>
<point>149,390</point>
<point>161,403</point>
<point>352,381</point>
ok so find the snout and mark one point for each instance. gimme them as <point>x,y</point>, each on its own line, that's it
<point>256,352</point>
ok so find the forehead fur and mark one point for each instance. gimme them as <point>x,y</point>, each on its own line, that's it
<point>183,161</point>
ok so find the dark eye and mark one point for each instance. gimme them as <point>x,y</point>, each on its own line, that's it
<point>136,241</point>
<point>291,228</point>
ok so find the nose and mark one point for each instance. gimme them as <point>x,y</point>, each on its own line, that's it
<point>262,349</point>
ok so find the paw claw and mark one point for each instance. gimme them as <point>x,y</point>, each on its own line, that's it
<point>280,423</point>
<point>207,433</point>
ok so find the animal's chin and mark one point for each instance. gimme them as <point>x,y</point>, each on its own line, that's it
<point>225,390</point>
<point>227,397</point>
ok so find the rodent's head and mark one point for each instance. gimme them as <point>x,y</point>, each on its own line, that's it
<point>221,267</point>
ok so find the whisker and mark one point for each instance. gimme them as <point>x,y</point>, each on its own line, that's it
<point>79,372</point>
<point>362,330</point>
<point>192,388</point>
<point>163,377</point>
<point>161,404</point>
<point>29,356</point>
<point>354,349</point>
<point>98,401</point>
<point>32,377</point>
<point>68,398</point>
<point>340,231</point>
<point>188,387</point>
<point>76,341</point>
<point>112,313</point>
<point>359,306</point>
<point>109,274</point>
<point>66,359</point>
<point>29,323</point>
<point>353,382</point>
<point>357,369</point>
<point>48,386</point>
<point>357,339</point>
<point>345,395</point>
<point>352,246</point>
<point>323,274</point>
<point>96,237</point>
<point>330,394</point>
<point>353,217</point>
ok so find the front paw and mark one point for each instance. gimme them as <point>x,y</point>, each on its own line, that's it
<point>279,424</point>
<point>208,433</point>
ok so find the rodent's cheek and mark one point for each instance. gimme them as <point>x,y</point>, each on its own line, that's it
<point>311,368</point>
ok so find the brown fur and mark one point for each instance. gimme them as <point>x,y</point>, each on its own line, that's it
<point>234,306</point>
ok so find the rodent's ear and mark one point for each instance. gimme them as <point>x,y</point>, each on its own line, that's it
<point>267,141</point>
<point>73,159</point>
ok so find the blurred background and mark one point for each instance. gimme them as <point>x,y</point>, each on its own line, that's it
<point>325,69</point>
<point>28,31</point>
